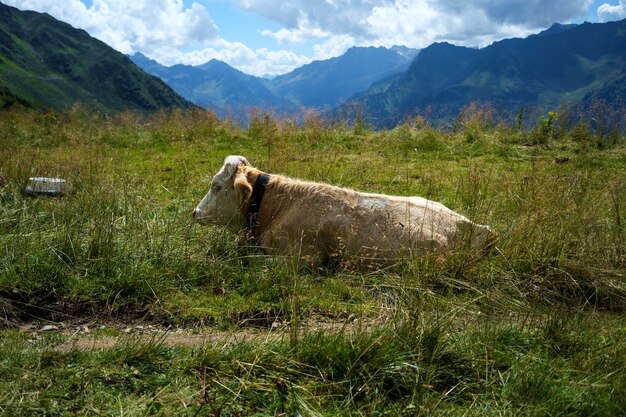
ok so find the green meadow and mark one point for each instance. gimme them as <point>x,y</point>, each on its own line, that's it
<point>537,327</point>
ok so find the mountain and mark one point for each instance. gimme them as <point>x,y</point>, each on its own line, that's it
<point>556,28</point>
<point>49,64</point>
<point>563,64</point>
<point>327,83</point>
<point>216,85</point>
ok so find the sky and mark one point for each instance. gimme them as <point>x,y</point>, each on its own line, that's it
<point>272,37</point>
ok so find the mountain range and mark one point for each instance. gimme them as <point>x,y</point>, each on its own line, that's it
<point>48,64</point>
<point>329,82</point>
<point>217,86</point>
<point>320,84</point>
<point>565,64</point>
<point>45,63</point>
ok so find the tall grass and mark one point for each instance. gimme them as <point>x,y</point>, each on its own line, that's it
<point>535,327</point>
<point>429,366</point>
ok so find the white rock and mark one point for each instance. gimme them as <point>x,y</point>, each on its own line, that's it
<point>48,328</point>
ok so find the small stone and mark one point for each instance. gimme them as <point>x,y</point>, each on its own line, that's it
<point>48,328</point>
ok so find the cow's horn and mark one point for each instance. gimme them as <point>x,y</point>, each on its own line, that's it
<point>242,159</point>
<point>231,163</point>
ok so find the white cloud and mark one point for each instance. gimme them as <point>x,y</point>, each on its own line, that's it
<point>335,14</point>
<point>307,19</point>
<point>299,35</point>
<point>334,46</point>
<point>260,62</point>
<point>130,26</point>
<point>607,12</point>
<point>415,23</point>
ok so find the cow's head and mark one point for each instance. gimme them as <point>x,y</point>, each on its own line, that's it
<point>224,204</point>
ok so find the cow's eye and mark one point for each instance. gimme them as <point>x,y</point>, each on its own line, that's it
<point>217,188</point>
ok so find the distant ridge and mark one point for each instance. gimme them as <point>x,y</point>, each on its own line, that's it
<point>217,86</point>
<point>329,82</point>
<point>323,84</point>
<point>46,63</point>
<point>565,64</point>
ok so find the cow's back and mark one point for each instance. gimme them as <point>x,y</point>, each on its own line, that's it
<point>331,223</point>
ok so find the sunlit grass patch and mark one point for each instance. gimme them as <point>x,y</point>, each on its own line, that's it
<point>534,327</point>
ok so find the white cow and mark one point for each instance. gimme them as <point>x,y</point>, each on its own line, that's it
<point>322,224</point>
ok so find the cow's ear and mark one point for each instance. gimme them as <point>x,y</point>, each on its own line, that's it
<point>231,164</point>
<point>243,190</point>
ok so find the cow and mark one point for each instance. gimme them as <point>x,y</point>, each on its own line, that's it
<point>322,225</point>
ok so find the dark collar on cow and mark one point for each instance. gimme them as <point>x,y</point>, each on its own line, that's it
<point>252,216</point>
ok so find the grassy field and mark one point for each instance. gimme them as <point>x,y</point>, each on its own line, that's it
<point>537,327</point>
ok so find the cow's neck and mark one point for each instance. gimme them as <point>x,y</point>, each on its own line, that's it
<point>252,215</point>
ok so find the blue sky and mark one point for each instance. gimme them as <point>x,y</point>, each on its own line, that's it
<point>270,37</point>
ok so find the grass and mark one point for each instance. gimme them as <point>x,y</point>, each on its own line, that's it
<point>535,328</point>
<point>561,366</point>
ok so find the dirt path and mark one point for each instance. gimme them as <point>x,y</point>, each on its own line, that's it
<point>110,335</point>
<point>96,341</point>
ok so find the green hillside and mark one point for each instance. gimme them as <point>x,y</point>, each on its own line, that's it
<point>562,65</point>
<point>50,64</point>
